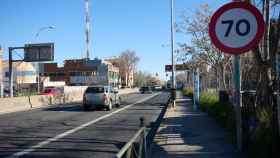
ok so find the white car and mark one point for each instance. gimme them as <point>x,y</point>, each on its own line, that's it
<point>101,97</point>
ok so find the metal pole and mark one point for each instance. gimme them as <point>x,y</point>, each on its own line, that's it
<point>37,64</point>
<point>196,89</point>
<point>11,71</point>
<point>278,86</point>
<point>38,78</point>
<point>172,56</point>
<point>87,29</point>
<point>1,73</point>
<point>237,96</point>
<point>238,101</point>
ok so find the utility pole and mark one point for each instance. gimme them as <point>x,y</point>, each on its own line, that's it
<point>87,29</point>
<point>1,73</point>
<point>11,72</point>
<point>173,91</point>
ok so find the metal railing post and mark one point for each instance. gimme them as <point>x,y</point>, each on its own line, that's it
<point>128,152</point>
<point>145,144</point>
<point>141,144</point>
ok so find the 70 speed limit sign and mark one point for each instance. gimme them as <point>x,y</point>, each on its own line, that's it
<point>236,27</point>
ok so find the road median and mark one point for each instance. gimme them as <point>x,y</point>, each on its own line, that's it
<point>17,104</point>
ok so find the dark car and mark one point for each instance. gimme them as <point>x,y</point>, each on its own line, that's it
<point>51,91</point>
<point>146,89</point>
<point>157,88</point>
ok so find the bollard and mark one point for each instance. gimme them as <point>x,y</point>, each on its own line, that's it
<point>142,121</point>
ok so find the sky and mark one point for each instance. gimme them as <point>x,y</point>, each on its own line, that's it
<point>116,25</point>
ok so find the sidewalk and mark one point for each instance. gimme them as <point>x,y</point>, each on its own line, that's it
<point>185,133</point>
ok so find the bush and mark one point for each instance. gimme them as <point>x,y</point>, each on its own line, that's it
<point>265,142</point>
<point>188,92</point>
<point>207,100</point>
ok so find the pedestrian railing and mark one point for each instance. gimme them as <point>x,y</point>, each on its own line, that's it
<point>136,147</point>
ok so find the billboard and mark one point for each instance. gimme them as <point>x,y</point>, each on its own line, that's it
<point>179,67</point>
<point>39,52</point>
<point>88,79</point>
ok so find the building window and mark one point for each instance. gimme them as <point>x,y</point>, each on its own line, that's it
<point>7,74</point>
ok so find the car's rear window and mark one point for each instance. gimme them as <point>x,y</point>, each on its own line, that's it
<point>95,90</point>
<point>145,88</point>
<point>48,91</point>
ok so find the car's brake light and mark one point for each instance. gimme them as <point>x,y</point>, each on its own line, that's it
<point>104,97</point>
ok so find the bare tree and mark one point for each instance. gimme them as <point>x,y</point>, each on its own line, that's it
<point>201,50</point>
<point>140,78</point>
<point>264,55</point>
<point>127,64</point>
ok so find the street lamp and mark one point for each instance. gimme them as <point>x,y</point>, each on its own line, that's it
<point>37,64</point>
<point>173,91</point>
<point>42,29</point>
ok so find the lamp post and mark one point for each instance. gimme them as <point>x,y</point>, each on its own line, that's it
<point>37,64</point>
<point>173,91</point>
<point>1,73</point>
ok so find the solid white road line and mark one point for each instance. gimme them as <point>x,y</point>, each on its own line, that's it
<point>41,144</point>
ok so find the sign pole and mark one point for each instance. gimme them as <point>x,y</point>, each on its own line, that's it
<point>1,73</point>
<point>237,96</point>
<point>11,71</point>
<point>237,99</point>
<point>278,85</point>
<point>196,89</point>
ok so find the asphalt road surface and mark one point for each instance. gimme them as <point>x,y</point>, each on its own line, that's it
<point>66,131</point>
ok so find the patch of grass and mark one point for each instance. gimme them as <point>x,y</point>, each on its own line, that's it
<point>188,92</point>
<point>265,140</point>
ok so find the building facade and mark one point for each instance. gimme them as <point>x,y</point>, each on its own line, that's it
<point>83,72</point>
<point>127,77</point>
<point>24,75</point>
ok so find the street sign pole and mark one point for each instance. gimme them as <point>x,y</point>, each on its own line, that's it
<point>196,89</point>
<point>11,71</point>
<point>237,99</point>
<point>237,95</point>
<point>278,86</point>
<point>1,73</point>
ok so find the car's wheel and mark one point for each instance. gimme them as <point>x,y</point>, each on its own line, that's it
<point>109,106</point>
<point>119,103</point>
<point>86,107</point>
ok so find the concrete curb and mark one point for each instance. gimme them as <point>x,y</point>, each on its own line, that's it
<point>17,104</point>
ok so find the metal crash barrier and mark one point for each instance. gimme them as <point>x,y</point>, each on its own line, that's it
<point>137,146</point>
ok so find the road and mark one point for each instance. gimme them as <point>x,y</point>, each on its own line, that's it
<point>68,131</point>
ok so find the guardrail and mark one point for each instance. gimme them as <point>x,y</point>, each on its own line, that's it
<point>137,146</point>
<point>140,144</point>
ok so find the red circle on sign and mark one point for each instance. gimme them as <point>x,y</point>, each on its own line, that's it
<point>233,5</point>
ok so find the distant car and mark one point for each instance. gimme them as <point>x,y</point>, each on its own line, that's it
<point>7,93</point>
<point>101,96</point>
<point>157,88</point>
<point>51,91</point>
<point>146,89</point>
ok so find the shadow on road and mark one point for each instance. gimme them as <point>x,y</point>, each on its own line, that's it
<point>74,108</point>
<point>55,152</point>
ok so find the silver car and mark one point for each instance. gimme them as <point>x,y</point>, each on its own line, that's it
<point>101,97</point>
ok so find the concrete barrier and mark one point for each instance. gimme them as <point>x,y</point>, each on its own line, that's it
<point>71,95</point>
